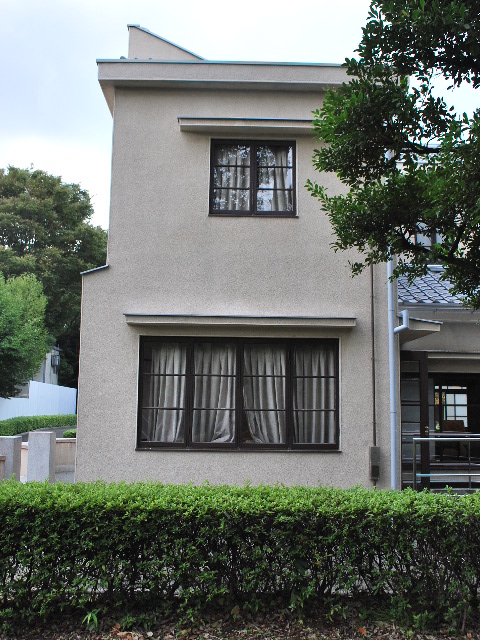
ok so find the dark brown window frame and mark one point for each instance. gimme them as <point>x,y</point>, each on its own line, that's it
<point>253,177</point>
<point>237,445</point>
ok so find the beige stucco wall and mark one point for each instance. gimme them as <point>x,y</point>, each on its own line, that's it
<point>143,44</point>
<point>167,256</point>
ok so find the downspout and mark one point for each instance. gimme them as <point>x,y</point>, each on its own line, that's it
<point>392,330</point>
<point>372,337</point>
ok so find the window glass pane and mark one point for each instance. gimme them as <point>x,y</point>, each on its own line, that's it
<point>264,370</point>
<point>411,427</point>
<point>264,393</point>
<point>217,359</point>
<point>214,381</point>
<point>314,427</point>
<point>410,390</point>
<point>214,391</point>
<point>274,200</point>
<point>409,366</point>
<point>213,425</point>
<point>232,155</point>
<point>274,156</point>
<point>266,427</point>
<point>233,178</point>
<point>166,358</point>
<point>274,178</point>
<point>411,413</point>
<point>231,200</point>
<point>163,425</point>
<point>164,393</point>
<point>315,360</point>
<point>315,393</point>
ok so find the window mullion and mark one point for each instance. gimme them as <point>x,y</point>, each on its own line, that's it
<point>189,394</point>
<point>238,392</point>
<point>253,179</point>
<point>289,394</point>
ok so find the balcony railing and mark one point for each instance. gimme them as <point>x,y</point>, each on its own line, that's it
<point>454,471</point>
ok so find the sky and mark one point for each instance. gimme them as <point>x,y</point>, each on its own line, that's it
<point>52,112</point>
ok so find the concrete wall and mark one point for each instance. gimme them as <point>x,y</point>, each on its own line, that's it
<point>43,400</point>
<point>167,256</point>
<point>65,449</point>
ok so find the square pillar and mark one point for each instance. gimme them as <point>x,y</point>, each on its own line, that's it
<point>41,456</point>
<point>11,448</point>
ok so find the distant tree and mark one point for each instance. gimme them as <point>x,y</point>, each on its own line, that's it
<point>44,230</point>
<point>23,336</point>
<point>412,166</point>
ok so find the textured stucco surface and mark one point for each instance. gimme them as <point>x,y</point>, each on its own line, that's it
<point>167,256</point>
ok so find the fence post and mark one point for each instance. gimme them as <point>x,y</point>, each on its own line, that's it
<point>11,448</point>
<point>41,456</point>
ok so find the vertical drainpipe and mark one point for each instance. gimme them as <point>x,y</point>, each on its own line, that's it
<point>392,365</point>
<point>374,375</point>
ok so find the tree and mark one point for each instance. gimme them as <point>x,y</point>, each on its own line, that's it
<point>411,164</point>
<point>44,231</point>
<point>23,336</point>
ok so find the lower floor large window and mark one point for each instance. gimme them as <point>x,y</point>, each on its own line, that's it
<point>206,393</point>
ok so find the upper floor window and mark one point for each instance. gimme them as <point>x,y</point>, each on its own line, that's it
<point>252,178</point>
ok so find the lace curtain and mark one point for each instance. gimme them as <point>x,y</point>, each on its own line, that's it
<point>232,178</point>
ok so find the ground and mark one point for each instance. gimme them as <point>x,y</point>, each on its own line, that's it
<point>238,627</point>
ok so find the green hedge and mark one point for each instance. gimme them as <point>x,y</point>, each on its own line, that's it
<point>22,424</point>
<point>186,548</point>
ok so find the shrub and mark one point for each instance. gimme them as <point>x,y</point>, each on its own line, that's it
<point>187,548</point>
<point>70,433</point>
<point>22,424</point>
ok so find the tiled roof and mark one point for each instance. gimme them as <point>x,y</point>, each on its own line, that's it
<point>427,289</point>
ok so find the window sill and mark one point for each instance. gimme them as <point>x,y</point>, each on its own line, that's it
<point>244,214</point>
<point>236,450</point>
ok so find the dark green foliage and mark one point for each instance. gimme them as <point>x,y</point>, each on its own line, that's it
<point>44,230</point>
<point>23,337</point>
<point>22,424</point>
<point>186,548</point>
<point>412,165</point>
<point>70,433</point>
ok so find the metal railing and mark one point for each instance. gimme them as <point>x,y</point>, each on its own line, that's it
<point>444,474</point>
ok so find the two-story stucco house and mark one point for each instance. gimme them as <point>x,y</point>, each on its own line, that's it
<point>225,340</point>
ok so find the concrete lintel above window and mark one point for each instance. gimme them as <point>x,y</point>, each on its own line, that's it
<point>284,322</point>
<point>245,126</point>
